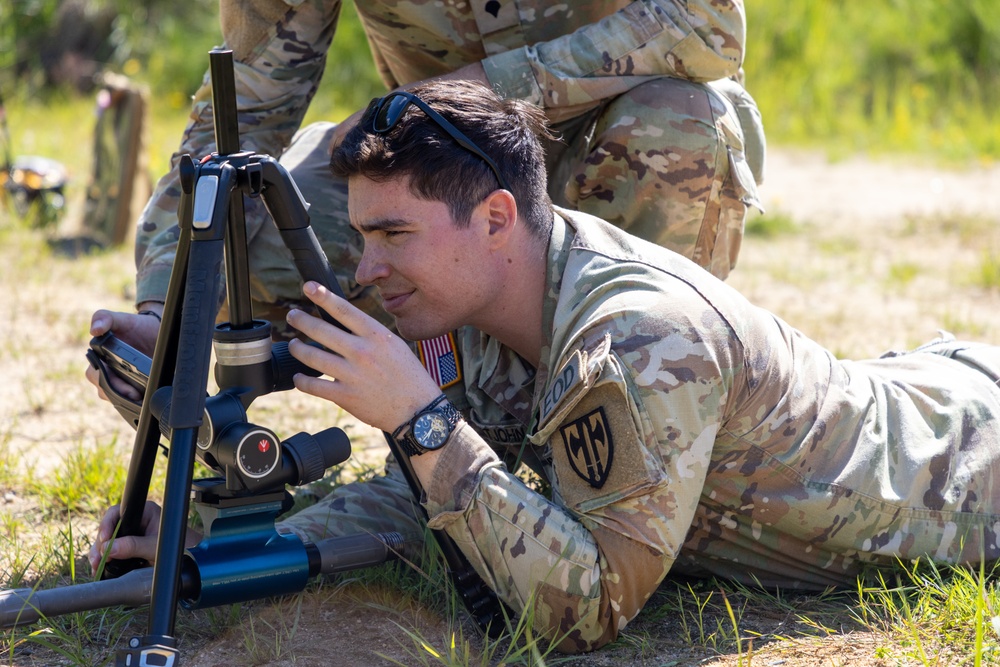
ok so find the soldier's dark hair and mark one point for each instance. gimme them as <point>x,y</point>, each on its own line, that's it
<point>508,131</point>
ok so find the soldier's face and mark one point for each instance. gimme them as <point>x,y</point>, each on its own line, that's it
<point>433,276</point>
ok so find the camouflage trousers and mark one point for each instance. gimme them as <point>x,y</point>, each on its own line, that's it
<point>383,504</point>
<point>665,161</point>
<point>939,503</point>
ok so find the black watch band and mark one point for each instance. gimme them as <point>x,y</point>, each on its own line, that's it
<point>429,429</point>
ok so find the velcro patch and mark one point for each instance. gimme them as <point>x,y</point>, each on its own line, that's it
<point>502,435</point>
<point>572,380</point>
<point>440,357</point>
<point>598,454</point>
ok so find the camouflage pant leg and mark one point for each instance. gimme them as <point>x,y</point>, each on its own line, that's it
<point>982,357</point>
<point>380,505</point>
<point>665,162</point>
<point>275,282</point>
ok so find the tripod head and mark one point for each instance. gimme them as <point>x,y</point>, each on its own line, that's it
<point>249,458</point>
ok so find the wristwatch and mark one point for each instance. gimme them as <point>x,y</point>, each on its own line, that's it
<point>429,429</point>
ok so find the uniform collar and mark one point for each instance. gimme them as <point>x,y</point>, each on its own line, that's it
<point>503,375</point>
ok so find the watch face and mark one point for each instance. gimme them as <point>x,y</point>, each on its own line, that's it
<point>431,430</point>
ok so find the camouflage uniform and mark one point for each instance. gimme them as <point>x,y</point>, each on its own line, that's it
<point>682,428</point>
<point>647,144</point>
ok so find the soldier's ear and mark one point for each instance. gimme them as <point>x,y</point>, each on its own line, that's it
<point>500,213</point>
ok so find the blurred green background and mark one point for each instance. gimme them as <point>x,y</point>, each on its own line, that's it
<point>887,76</point>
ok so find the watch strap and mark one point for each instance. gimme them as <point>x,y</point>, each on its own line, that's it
<point>404,434</point>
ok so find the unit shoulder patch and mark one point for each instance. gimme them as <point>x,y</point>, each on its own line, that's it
<point>590,446</point>
<point>598,453</point>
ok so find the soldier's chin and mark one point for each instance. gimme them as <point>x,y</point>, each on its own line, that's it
<point>409,329</point>
<point>412,330</point>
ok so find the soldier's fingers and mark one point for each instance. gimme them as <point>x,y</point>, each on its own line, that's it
<point>101,322</point>
<point>94,556</point>
<point>108,524</point>
<point>117,383</point>
<point>316,387</point>
<point>150,517</point>
<point>93,377</point>
<point>131,546</point>
<point>322,332</point>
<point>315,358</point>
<point>340,309</point>
<point>104,532</point>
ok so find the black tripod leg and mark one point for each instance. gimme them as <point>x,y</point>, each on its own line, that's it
<point>190,380</point>
<point>147,437</point>
<point>288,210</point>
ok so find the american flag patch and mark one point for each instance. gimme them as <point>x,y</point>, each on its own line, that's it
<point>440,357</point>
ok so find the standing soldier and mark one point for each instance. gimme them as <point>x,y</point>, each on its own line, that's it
<point>655,133</point>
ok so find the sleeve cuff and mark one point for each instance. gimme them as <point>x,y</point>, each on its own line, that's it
<point>511,75</point>
<point>456,476</point>
<point>152,286</point>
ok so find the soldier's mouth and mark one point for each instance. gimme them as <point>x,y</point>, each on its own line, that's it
<point>395,301</point>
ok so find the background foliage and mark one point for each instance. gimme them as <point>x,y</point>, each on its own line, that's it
<point>890,75</point>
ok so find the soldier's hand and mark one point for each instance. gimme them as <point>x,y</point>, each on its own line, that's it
<point>370,372</point>
<point>130,546</point>
<point>139,331</point>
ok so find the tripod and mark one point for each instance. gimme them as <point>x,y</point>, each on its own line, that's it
<point>242,556</point>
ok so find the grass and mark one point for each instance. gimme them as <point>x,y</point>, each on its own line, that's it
<point>89,481</point>
<point>771,225</point>
<point>986,273</point>
<point>942,616</point>
<point>913,77</point>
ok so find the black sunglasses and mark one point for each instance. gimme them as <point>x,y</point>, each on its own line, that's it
<point>384,112</point>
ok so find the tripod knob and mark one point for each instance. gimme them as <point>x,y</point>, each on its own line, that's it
<point>253,450</point>
<point>313,454</point>
<point>285,366</point>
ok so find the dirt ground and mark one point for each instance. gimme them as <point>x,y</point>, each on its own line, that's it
<point>873,255</point>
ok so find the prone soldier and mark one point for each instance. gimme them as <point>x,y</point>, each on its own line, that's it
<point>681,428</point>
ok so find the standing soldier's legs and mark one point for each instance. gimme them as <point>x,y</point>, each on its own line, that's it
<point>665,162</point>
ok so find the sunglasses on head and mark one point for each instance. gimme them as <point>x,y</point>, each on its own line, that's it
<point>384,112</point>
